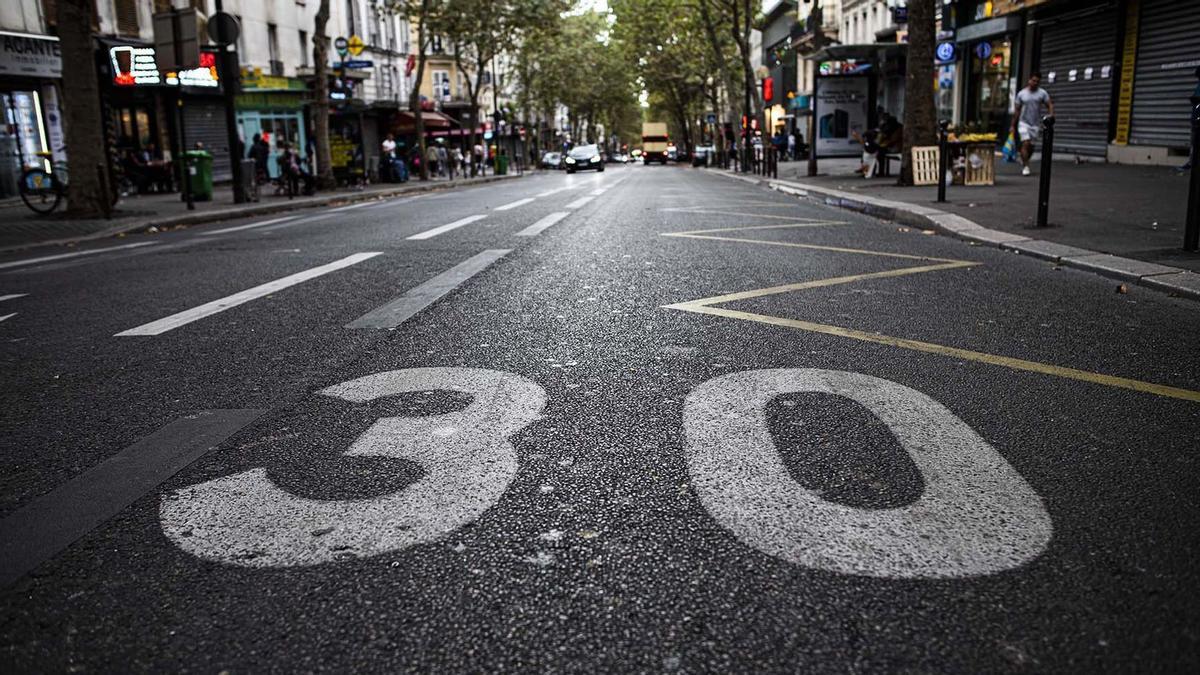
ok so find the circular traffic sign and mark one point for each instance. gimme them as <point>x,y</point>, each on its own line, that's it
<point>946,52</point>
<point>340,44</point>
<point>223,28</point>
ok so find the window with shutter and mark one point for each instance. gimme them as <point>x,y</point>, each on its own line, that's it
<point>127,16</point>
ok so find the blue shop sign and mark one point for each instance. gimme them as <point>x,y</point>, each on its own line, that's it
<point>946,52</point>
<point>983,50</point>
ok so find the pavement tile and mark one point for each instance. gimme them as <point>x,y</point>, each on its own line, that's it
<point>991,236</point>
<point>1047,250</point>
<point>1181,283</point>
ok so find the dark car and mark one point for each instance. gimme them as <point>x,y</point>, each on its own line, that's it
<point>582,157</point>
<point>552,160</point>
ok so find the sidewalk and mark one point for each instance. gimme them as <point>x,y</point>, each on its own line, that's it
<point>20,228</point>
<point>1130,211</point>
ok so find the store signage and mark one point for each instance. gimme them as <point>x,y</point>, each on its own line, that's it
<point>358,64</point>
<point>899,15</point>
<point>983,50</point>
<point>204,76</point>
<point>841,109</point>
<point>29,56</point>
<point>946,52</point>
<point>133,66</point>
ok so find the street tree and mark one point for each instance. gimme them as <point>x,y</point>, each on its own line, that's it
<point>84,127</point>
<point>920,115</point>
<point>325,178</point>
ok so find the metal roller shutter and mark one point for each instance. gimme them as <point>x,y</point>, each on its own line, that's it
<point>1077,64</point>
<point>1167,56</point>
<point>206,123</point>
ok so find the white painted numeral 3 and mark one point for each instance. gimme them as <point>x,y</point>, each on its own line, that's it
<point>976,515</point>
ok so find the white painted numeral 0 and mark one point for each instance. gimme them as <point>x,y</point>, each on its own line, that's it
<point>246,519</point>
<point>976,516</point>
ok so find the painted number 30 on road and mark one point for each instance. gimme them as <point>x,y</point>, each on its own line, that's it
<point>976,515</point>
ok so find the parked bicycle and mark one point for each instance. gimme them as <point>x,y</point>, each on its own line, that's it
<point>42,190</point>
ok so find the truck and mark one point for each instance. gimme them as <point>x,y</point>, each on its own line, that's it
<point>654,142</point>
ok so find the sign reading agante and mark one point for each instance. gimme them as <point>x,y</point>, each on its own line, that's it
<point>29,56</point>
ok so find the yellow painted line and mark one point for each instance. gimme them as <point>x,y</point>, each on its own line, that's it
<point>702,207</point>
<point>943,350</point>
<point>795,223</point>
<point>819,283</point>
<point>740,214</point>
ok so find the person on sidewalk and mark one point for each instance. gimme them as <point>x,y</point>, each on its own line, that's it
<point>431,161</point>
<point>443,158</point>
<point>456,161</point>
<point>1033,103</point>
<point>387,157</point>
<point>478,158</point>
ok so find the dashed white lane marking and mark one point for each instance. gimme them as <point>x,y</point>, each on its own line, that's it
<point>429,234</point>
<point>411,303</point>
<point>350,207</point>
<point>7,316</point>
<point>580,202</point>
<point>513,205</point>
<point>40,529</point>
<point>76,254</point>
<point>598,191</point>
<point>210,308</point>
<point>12,296</point>
<point>557,190</point>
<point>239,228</point>
<point>542,224</point>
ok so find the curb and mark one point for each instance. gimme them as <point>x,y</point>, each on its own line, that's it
<point>1173,280</point>
<point>259,209</point>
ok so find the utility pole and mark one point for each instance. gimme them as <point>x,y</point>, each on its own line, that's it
<point>230,77</point>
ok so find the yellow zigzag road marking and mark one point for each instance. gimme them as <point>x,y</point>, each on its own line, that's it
<point>706,306</point>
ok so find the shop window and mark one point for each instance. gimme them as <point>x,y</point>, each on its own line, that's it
<point>304,49</point>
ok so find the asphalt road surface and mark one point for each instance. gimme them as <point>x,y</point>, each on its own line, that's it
<point>646,420</point>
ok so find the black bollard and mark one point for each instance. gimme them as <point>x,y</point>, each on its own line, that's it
<point>1043,214</point>
<point>1191,232</point>
<point>943,159</point>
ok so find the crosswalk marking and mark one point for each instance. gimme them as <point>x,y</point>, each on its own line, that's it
<point>76,254</point>
<point>542,224</point>
<point>210,308</point>
<point>580,202</point>
<point>412,302</point>
<point>239,228</point>
<point>513,205</point>
<point>429,234</point>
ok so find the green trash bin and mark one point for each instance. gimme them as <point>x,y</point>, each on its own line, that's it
<point>502,165</point>
<point>198,173</point>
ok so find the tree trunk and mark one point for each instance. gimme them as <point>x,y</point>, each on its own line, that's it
<point>325,179</point>
<point>414,101</point>
<point>84,127</point>
<point>920,115</point>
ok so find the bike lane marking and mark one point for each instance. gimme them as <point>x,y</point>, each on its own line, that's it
<point>50,523</point>
<point>580,202</point>
<point>239,228</point>
<point>442,229</point>
<point>76,254</point>
<point>537,228</point>
<point>406,306</point>
<point>209,308</point>
<point>513,205</point>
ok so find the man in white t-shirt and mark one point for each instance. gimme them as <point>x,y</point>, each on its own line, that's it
<point>1033,103</point>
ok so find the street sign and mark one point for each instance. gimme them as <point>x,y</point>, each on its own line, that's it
<point>341,45</point>
<point>711,118</point>
<point>223,29</point>
<point>946,52</point>
<point>355,45</point>
<point>358,63</point>
<point>983,50</point>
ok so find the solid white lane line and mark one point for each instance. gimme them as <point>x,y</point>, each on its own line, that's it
<point>513,205</point>
<point>76,254</point>
<point>210,308</point>
<point>7,316</point>
<point>12,296</point>
<point>580,202</point>
<point>429,234</point>
<point>542,224</point>
<point>412,302</point>
<point>555,191</point>
<point>247,227</point>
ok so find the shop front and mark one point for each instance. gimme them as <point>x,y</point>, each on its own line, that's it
<point>990,52</point>
<point>30,72</point>
<point>273,109</point>
<point>1165,58</point>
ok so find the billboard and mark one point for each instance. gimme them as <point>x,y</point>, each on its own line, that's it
<point>842,109</point>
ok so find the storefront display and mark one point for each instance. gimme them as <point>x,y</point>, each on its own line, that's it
<point>992,83</point>
<point>1167,58</point>
<point>1075,57</point>
<point>843,109</point>
<point>30,68</point>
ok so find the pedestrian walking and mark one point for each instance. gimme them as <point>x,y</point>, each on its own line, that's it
<point>456,161</point>
<point>443,158</point>
<point>1033,103</point>
<point>791,147</point>
<point>431,161</point>
<point>477,153</point>
<point>387,158</point>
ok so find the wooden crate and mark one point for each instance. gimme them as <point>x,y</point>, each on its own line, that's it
<point>981,164</point>
<point>925,165</point>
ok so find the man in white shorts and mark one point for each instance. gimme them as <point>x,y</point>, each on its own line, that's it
<point>1033,103</point>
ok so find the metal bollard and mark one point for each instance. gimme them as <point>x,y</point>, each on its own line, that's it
<point>943,159</point>
<point>1191,232</point>
<point>1043,214</point>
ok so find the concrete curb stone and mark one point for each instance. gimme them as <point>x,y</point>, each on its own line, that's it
<point>1172,280</point>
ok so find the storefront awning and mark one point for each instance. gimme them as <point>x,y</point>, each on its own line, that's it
<point>457,132</point>
<point>405,123</point>
<point>877,52</point>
